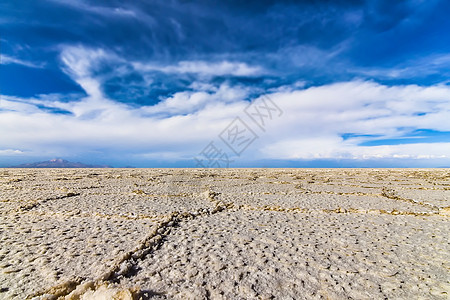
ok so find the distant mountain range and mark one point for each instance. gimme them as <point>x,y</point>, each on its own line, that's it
<point>58,163</point>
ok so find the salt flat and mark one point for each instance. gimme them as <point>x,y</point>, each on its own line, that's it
<point>224,233</point>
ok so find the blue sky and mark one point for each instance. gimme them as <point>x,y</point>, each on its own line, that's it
<point>154,83</point>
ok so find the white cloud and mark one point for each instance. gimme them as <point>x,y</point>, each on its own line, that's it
<point>433,64</point>
<point>191,102</point>
<point>333,147</point>
<point>315,119</point>
<point>81,64</point>
<point>9,152</point>
<point>367,108</point>
<point>204,68</point>
<point>100,10</point>
<point>6,59</point>
<point>9,103</point>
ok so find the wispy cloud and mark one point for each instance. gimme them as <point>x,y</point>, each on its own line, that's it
<point>192,102</point>
<point>6,59</point>
<point>205,68</point>
<point>419,67</point>
<point>8,152</point>
<point>95,68</point>
<point>97,9</point>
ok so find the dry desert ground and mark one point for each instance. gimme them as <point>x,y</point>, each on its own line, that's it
<point>224,233</point>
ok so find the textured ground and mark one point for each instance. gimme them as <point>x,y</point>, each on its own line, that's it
<point>224,234</point>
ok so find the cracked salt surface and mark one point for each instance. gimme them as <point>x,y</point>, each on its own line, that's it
<point>224,233</point>
<point>251,254</point>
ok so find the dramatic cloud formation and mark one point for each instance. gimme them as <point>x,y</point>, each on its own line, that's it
<point>152,84</point>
